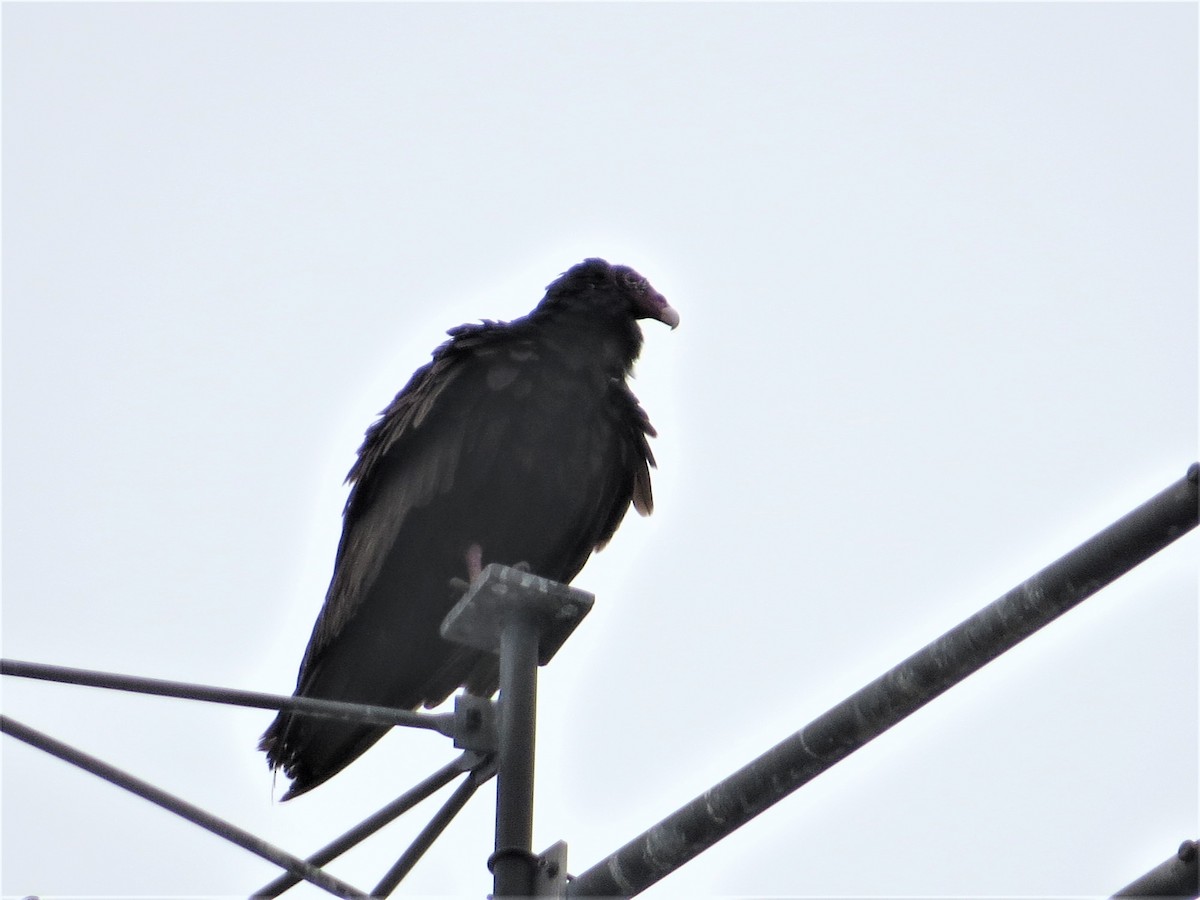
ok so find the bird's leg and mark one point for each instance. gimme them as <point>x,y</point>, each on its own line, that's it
<point>474,562</point>
<point>474,558</point>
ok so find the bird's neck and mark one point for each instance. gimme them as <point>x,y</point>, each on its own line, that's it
<point>608,344</point>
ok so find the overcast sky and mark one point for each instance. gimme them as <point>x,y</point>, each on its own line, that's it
<point>937,270</point>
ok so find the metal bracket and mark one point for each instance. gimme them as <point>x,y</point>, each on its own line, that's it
<point>477,619</point>
<point>550,879</point>
<point>475,724</point>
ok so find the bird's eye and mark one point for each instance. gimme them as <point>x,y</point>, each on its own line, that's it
<point>632,279</point>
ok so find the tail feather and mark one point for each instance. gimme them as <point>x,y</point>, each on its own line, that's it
<point>389,655</point>
<point>311,756</point>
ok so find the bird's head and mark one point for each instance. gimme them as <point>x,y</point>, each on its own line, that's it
<point>608,290</point>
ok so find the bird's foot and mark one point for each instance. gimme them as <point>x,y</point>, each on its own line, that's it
<point>474,558</point>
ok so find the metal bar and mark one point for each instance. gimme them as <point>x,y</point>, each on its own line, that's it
<point>513,864</point>
<point>895,695</point>
<point>388,814</point>
<point>1178,876</point>
<point>182,808</point>
<point>436,826</point>
<point>332,709</point>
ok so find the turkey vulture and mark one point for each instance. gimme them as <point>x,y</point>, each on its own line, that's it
<point>519,442</point>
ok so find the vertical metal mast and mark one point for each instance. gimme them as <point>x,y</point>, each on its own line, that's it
<point>525,619</point>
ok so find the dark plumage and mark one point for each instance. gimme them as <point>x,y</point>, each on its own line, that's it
<point>518,442</point>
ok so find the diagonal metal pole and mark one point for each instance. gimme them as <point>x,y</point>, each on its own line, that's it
<point>333,709</point>
<point>434,828</point>
<point>895,695</point>
<point>1178,876</point>
<point>192,813</point>
<point>388,814</point>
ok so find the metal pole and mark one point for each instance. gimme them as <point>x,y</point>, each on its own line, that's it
<point>898,693</point>
<point>524,619</point>
<point>375,821</point>
<point>423,841</point>
<point>1179,876</point>
<point>513,864</point>
<point>443,723</point>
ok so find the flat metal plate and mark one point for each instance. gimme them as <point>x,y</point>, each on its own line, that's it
<point>502,591</point>
<point>550,880</point>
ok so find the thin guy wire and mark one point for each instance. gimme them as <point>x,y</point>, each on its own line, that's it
<point>436,826</point>
<point>180,807</point>
<point>376,821</point>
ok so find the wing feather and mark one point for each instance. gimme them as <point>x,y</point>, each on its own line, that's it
<point>409,456</point>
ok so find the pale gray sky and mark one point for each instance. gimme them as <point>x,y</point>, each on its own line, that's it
<point>937,271</point>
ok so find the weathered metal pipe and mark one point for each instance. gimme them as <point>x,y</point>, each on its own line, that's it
<point>895,695</point>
